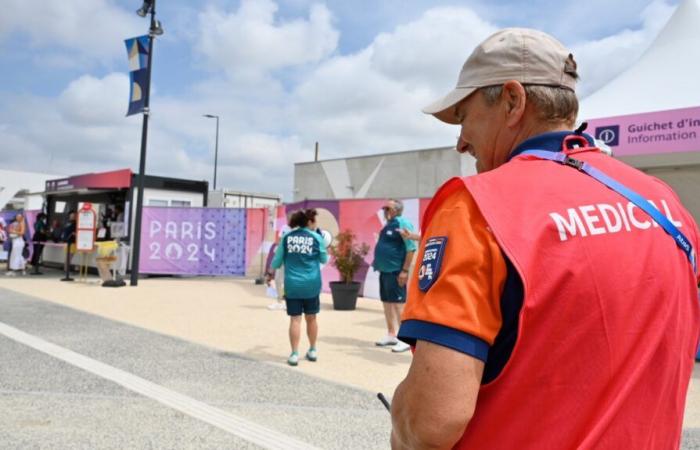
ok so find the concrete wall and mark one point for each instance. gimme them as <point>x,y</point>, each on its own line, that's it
<point>162,197</point>
<point>681,171</point>
<point>685,181</point>
<point>419,173</point>
<point>237,199</point>
<point>410,174</point>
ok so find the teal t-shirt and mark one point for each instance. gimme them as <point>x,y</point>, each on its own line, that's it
<point>390,251</point>
<point>301,251</point>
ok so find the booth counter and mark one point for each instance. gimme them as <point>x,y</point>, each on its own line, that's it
<point>112,195</point>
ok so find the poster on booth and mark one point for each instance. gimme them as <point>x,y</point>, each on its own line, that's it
<point>85,229</point>
<point>193,241</point>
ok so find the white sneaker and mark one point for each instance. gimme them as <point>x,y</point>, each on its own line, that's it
<point>400,347</point>
<point>312,355</point>
<point>276,306</point>
<point>387,341</point>
<point>10,273</point>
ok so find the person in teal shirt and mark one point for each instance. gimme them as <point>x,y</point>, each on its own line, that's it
<point>302,251</point>
<point>392,259</point>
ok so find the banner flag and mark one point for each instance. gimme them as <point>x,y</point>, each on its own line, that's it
<point>137,94</point>
<point>137,51</point>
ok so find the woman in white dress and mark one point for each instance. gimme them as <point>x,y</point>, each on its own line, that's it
<point>16,232</point>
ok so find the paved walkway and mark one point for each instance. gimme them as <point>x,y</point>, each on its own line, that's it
<point>229,318</point>
<point>231,315</point>
<point>74,380</point>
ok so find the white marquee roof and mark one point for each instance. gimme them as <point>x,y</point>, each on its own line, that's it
<point>665,77</point>
<point>13,182</point>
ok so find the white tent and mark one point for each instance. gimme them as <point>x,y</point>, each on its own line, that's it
<point>664,78</point>
<point>15,185</point>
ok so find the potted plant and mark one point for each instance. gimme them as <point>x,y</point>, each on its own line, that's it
<point>347,256</point>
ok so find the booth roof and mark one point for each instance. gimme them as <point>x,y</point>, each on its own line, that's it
<point>665,77</point>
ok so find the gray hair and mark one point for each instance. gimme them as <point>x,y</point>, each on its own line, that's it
<point>553,104</point>
<point>399,206</point>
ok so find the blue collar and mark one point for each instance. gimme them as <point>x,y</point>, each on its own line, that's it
<point>550,142</point>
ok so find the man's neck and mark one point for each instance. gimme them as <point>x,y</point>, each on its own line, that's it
<point>536,129</point>
<point>531,129</point>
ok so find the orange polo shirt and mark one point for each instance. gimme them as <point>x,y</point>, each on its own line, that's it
<point>461,308</point>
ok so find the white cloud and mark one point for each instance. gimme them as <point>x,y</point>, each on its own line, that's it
<point>94,28</point>
<point>430,51</point>
<point>603,59</point>
<point>250,41</point>
<point>596,19</point>
<point>370,101</point>
<point>278,86</point>
<point>95,101</point>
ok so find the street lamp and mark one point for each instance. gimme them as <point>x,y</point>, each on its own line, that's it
<point>216,145</point>
<point>155,29</point>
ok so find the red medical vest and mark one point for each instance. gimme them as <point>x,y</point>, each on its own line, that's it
<point>610,319</point>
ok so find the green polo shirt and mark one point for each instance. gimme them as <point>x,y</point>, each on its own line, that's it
<point>390,251</point>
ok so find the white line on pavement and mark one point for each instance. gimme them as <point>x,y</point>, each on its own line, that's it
<point>244,429</point>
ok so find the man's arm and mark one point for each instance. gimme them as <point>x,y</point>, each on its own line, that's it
<point>278,259</point>
<point>411,248</point>
<point>403,276</point>
<point>433,405</point>
<point>322,252</point>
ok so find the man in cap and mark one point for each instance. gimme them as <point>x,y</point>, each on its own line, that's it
<point>554,305</point>
<point>392,259</point>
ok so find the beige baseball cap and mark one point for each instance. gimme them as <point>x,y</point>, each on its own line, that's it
<point>520,54</point>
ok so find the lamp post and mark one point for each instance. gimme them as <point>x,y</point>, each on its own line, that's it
<point>216,145</point>
<point>149,6</point>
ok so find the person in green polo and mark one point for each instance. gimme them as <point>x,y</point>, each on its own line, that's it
<point>302,251</point>
<point>392,259</point>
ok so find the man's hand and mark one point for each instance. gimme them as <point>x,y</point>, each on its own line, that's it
<point>403,278</point>
<point>433,405</point>
<point>406,234</point>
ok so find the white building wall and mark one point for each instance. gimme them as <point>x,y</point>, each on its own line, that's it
<point>240,199</point>
<point>162,197</point>
<point>412,174</point>
<point>13,182</point>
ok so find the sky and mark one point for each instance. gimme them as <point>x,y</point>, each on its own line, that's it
<point>281,74</point>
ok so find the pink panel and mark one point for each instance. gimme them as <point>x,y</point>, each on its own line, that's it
<point>256,220</point>
<point>676,130</point>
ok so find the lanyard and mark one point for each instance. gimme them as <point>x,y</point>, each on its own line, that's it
<point>639,201</point>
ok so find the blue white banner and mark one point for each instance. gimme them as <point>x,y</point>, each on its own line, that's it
<point>137,51</point>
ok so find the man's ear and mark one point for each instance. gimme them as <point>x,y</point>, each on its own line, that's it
<point>515,100</point>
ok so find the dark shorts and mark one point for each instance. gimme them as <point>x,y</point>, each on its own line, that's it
<point>389,289</point>
<point>297,306</point>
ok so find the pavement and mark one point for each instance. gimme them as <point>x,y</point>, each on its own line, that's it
<point>231,315</point>
<point>169,363</point>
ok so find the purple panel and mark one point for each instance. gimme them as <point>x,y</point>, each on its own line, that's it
<point>193,241</point>
<point>331,205</point>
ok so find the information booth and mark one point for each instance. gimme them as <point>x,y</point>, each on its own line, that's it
<point>112,196</point>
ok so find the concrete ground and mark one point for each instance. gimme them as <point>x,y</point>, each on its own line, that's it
<point>50,403</point>
<point>212,340</point>
<point>231,315</point>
